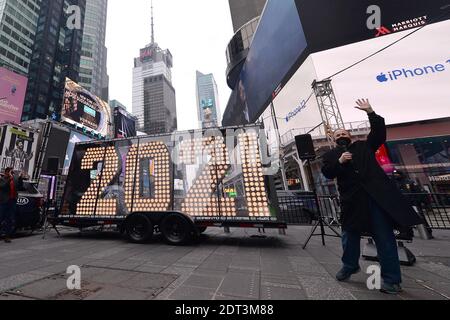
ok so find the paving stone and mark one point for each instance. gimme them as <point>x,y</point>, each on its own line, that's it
<point>192,293</point>
<point>282,292</point>
<point>210,282</point>
<point>240,285</point>
<point>319,288</point>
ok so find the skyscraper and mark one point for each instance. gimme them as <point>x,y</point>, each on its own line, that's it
<point>56,55</point>
<point>154,102</point>
<point>242,11</point>
<point>18,21</point>
<point>93,69</point>
<point>207,101</point>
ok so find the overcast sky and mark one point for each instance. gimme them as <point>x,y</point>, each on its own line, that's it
<point>196,32</point>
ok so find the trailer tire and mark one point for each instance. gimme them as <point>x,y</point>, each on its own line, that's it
<point>139,228</point>
<point>176,230</point>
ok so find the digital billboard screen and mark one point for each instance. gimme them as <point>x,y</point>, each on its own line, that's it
<point>12,95</point>
<point>282,33</point>
<point>124,124</point>
<point>270,58</point>
<point>80,107</point>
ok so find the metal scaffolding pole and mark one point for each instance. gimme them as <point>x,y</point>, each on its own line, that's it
<point>328,107</point>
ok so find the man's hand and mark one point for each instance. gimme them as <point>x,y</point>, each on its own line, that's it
<point>364,105</point>
<point>346,158</point>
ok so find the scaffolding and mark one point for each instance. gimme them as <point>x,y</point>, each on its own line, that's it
<point>328,107</point>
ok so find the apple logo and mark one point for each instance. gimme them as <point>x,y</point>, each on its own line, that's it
<point>382,78</point>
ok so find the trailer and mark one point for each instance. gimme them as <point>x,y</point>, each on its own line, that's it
<point>176,184</point>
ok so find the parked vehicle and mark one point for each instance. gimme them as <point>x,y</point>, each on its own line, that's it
<point>178,184</point>
<point>297,207</point>
<point>30,204</point>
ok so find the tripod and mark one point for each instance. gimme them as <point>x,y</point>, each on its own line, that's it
<point>321,222</point>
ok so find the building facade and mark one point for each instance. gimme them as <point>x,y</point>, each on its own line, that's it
<point>208,108</point>
<point>93,63</point>
<point>154,103</point>
<point>56,56</point>
<point>245,15</point>
<point>18,22</point>
<point>242,11</point>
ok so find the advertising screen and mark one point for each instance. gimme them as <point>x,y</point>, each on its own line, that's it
<point>124,124</point>
<point>75,137</point>
<point>349,21</point>
<point>407,82</point>
<point>12,95</point>
<point>18,149</point>
<point>278,43</point>
<point>85,109</point>
<point>284,39</point>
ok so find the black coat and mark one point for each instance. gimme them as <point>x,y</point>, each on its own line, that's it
<point>364,178</point>
<point>5,187</point>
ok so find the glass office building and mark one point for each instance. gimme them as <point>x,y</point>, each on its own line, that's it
<point>93,63</point>
<point>18,22</point>
<point>56,56</point>
<point>207,101</point>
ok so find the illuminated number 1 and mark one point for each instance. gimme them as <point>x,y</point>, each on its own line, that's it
<point>255,191</point>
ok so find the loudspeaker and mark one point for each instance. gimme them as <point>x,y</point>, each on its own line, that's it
<point>305,147</point>
<point>53,165</point>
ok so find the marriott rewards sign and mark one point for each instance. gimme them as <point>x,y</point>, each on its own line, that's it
<point>409,81</point>
<point>12,96</point>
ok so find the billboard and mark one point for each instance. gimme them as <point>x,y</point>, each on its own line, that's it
<point>407,82</point>
<point>12,95</point>
<point>124,124</point>
<point>80,107</point>
<point>291,30</point>
<point>17,149</point>
<point>269,59</point>
<point>75,138</point>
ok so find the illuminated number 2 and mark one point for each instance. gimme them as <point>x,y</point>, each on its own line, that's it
<point>91,198</point>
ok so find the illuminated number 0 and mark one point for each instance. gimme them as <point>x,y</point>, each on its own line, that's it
<point>157,152</point>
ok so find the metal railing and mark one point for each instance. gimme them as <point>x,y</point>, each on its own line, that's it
<point>435,208</point>
<point>356,128</point>
<point>303,210</point>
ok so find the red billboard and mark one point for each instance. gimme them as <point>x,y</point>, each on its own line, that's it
<point>12,95</point>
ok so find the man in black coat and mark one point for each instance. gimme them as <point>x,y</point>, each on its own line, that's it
<point>371,202</point>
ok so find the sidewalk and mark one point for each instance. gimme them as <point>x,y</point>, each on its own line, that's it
<point>221,266</point>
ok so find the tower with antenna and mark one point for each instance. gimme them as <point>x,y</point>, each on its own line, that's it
<point>153,25</point>
<point>154,103</point>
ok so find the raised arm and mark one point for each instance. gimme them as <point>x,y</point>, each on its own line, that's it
<point>378,133</point>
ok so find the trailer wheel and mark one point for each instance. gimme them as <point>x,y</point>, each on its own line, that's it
<point>176,230</point>
<point>139,229</point>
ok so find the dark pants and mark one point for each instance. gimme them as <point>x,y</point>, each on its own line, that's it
<point>383,235</point>
<point>7,217</point>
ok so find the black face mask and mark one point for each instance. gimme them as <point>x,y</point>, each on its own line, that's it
<point>344,142</point>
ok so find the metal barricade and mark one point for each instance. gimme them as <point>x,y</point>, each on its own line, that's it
<point>434,207</point>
